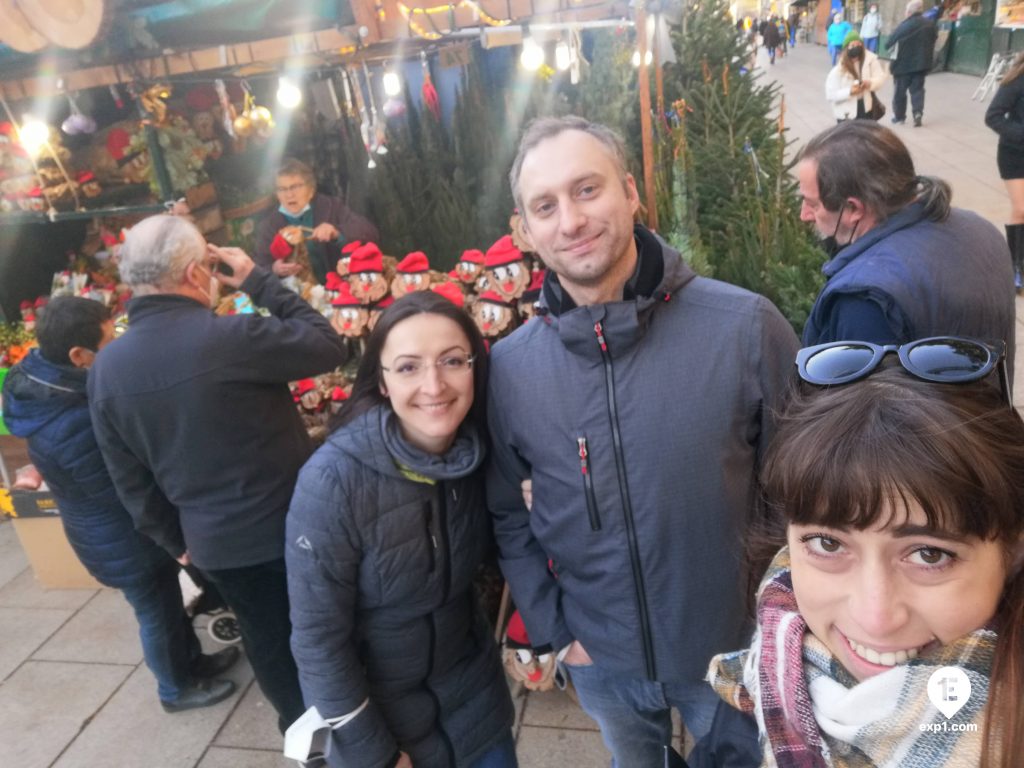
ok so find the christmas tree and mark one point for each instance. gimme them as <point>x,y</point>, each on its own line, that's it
<point>737,201</point>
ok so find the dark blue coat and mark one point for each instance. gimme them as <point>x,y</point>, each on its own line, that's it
<point>47,405</point>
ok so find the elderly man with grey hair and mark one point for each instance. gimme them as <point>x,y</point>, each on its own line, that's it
<point>916,37</point>
<point>197,425</point>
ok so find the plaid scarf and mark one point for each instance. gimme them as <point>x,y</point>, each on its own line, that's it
<point>811,713</point>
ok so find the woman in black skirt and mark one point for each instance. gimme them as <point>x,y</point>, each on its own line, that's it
<point>1005,116</point>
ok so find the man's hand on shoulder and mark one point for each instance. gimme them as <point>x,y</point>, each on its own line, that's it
<point>235,258</point>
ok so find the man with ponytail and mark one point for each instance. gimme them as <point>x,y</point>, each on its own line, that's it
<point>903,263</point>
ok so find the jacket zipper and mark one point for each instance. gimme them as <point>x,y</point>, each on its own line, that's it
<point>627,506</point>
<point>588,484</point>
<point>442,526</point>
<point>431,539</point>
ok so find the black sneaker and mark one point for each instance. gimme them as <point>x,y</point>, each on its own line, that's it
<point>211,665</point>
<point>898,120</point>
<point>917,119</point>
<point>205,693</point>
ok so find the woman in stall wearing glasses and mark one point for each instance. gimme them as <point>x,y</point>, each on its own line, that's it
<point>327,222</point>
<point>385,531</point>
<point>900,485</point>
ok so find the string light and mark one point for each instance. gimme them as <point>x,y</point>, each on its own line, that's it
<point>409,15</point>
<point>392,84</point>
<point>563,56</point>
<point>289,95</point>
<point>33,135</point>
<point>532,57</point>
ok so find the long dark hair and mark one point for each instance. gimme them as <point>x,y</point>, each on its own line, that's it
<point>846,456</point>
<point>366,390</point>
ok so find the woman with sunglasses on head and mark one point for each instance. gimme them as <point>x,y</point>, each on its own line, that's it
<point>899,499</point>
<point>385,532</point>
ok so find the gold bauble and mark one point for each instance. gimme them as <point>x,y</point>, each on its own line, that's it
<point>242,125</point>
<point>261,118</point>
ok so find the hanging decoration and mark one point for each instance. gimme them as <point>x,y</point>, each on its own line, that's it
<point>430,98</point>
<point>374,136</point>
<point>411,15</point>
<point>226,109</point>
<point>365,130</point>
<point>254,119</point>
<point>77,122</point>
<point>153,101</point>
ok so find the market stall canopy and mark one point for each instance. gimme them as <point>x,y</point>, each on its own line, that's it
<point>27,27</point>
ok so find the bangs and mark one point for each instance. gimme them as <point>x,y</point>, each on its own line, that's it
<point>859,456</point>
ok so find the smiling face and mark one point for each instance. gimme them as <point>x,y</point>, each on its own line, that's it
<point>429,391</point>
<point>294,193</point>
<point>509,280</point>
<point>578,212</point>
<point>881,596</point>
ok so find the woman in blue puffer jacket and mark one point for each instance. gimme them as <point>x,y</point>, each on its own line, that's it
<point>385,531</point>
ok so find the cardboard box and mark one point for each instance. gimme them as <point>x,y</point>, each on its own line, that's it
<point>54,563</point>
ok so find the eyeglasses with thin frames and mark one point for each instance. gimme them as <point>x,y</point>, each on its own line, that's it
<point>414,370</point>
<point>289,188</point>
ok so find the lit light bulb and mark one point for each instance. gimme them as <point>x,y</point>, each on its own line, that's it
<point>532,56</point>
<point>392,84</point>
<point>563,57</point>
<point>289,95</point>
<point>648,58</point>
<point>33,135</point>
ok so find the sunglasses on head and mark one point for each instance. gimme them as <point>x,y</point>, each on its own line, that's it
<point>941,359</point>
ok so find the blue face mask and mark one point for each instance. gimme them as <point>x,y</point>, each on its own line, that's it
<point>285,212</point>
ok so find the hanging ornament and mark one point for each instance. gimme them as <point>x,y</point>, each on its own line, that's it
<point>116,96</point>
<point>77,122</point>
<point>365,129</point>
<point>430,99</point>
<point>376,128</point>
<point>227,111</point>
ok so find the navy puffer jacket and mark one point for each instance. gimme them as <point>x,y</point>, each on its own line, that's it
<point>380,567</point>
<point>46,404</point>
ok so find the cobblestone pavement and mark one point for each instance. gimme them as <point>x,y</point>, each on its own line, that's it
<point>75,694</point>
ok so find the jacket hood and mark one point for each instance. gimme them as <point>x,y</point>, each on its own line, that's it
<point>36,392</point>
<point>374,439</point>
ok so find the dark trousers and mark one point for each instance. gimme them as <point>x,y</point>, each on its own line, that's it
<point>169,643</point>
<point>258,594</point>
<point>914,82</point>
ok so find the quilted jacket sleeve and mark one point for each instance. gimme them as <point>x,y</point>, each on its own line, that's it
<point>322,553</point>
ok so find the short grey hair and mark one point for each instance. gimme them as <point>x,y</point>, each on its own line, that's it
<point>544,128</point>
<point>157,251</point>
<point>915,6</point>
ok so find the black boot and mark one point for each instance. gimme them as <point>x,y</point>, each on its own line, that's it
<point>1015,239</point>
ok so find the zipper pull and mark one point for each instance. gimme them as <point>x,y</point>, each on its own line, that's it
<point>582,442</point>
<point>433,540</point>
<point>599,332</point>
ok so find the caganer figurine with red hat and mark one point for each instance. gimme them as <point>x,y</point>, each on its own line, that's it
<point>494,316</point>
<point>506,270</point>
<point>350,315</point>
<point>411,274</point>
<point>346,255</point>
<point>528,301</point>
<point>366,274</point>
<point>469,267</point>
<point>375,311</point>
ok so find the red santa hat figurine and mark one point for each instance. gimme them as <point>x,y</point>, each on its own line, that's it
<point>346,255</point>
<point>505,268</point>
<point>350,316</point>
<point>411,274</point>
<point>366,274</point>
<point>469,267</point>
<point>493,315</point>
<point>528,301</point>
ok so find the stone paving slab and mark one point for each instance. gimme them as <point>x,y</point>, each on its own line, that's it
<point>12,558</point>
<point>539,747</point>
<point>45,705</point>
<point>226,757</point>
<point>252,725</point>
<point>23,591</point>
<point>22,631</point>
<point>104,630</point>
<point>133,731</point>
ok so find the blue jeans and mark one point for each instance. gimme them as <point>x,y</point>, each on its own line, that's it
<point>635,714</point>
<point>833,53</point>
<point>169,643</point>
<point>871,43</point>
<point>258,594</point>
<point>502,756</point>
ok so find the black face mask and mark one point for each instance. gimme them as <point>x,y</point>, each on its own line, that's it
<point>830,243</point>
<point>855,53</point>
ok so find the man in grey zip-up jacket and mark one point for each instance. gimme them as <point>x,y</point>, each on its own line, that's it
<point>639,401</point>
